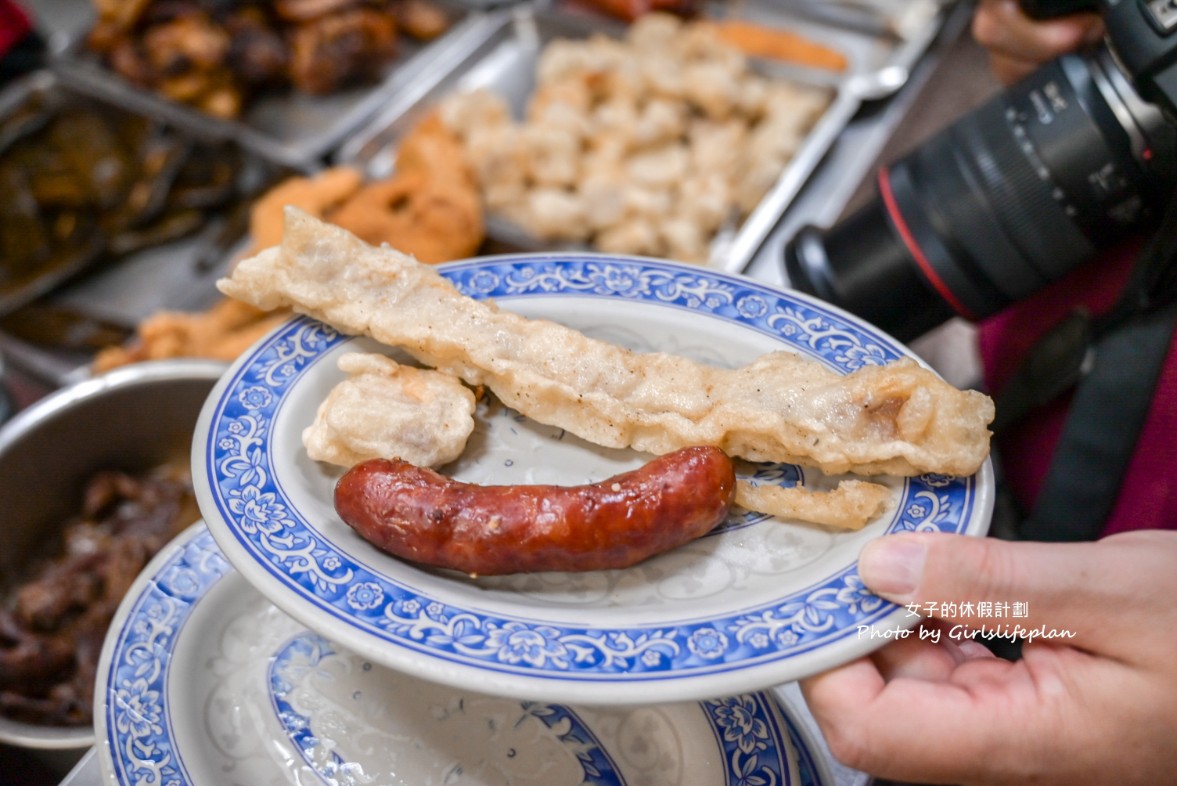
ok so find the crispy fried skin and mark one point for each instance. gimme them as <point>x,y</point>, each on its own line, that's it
<point>898,419</point>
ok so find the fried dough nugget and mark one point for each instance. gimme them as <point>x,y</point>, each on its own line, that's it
<point>384,409</point>
<point>422,20</point>
<point>120,14</point>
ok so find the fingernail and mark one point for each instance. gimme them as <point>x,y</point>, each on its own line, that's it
<point>892,566</point>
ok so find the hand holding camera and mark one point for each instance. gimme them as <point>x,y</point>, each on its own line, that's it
<point>1067,161</point>
<point>1019,43</point>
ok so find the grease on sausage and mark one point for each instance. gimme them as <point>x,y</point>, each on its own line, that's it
<point>422,516</point>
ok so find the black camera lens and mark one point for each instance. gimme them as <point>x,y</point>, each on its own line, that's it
<point>1005,200</point>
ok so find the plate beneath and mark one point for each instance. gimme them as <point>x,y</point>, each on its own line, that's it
<point>203,680</point>
<point>756,603</point>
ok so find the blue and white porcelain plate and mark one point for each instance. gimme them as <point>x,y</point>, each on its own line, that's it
<point>202,680</point>
<point>758,602</point>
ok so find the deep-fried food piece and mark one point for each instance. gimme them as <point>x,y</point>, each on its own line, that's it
<point>774,43</point>
<point>898,419</point>
<point>429,207</point>
<point>192,42</point>
<point>433,148</point>
<point>302,10</point>
<point>221,333</point>
<point>182,55</point>
<point>216,56</point>
<point>317,195</point>
<point>384,409</point>
<point>120,14</point>
<point>221,98</point>
<point>434,220</point>
<point>851,505</point>
<point>421,19</point>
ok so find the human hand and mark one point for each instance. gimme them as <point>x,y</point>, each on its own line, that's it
<point>1097,708</point>
<point>1018,44</point>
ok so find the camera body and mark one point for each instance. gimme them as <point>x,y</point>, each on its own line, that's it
<point>1017,192</point>
<point>1142,35</point>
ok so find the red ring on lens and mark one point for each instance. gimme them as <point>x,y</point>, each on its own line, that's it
<point>913,247</point>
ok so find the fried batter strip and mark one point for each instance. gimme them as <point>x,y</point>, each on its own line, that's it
<point>850,505</point>
<point>384,409</point>
<point>898,419</point>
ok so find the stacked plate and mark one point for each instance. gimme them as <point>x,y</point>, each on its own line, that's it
<point>208,682</point>
<point>274,645</point>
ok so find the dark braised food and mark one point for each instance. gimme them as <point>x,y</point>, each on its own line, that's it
<point>218,56</point>
<point>53,622</point>
<point>85,182</point>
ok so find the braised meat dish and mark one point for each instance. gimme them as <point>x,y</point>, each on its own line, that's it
<point>53,621</point>
<point>218,55</point>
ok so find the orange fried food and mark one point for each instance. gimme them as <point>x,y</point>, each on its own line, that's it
<point>773,43</point>
<point>422,19</point>
<point>318,195</point>
<point>430,207</point>
<point>221,333</point>
<point>427,217</point>
<point>423,217</point>
<point>433,148</point>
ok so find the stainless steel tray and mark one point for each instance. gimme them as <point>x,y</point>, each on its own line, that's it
<point>42,96</point>
<point>289,128</point>
<point>501,53</point>
<point>38,90</point>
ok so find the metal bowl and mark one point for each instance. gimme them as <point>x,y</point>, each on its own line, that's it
<point>133,418</point>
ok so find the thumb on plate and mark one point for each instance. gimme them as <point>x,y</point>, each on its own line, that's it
<point>1074,591</point>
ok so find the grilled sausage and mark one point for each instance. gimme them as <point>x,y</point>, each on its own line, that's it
<point>422,516</point>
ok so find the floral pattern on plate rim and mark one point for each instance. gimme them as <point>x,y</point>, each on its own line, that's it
<point>140,738</point>
<point>251,501</point>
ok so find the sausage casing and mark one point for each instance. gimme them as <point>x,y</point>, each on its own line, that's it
<point>422,516</point>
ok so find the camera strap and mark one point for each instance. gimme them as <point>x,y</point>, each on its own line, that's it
<point>1112,362</point>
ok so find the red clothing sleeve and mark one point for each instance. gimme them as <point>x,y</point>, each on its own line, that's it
<point>14,25</point>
